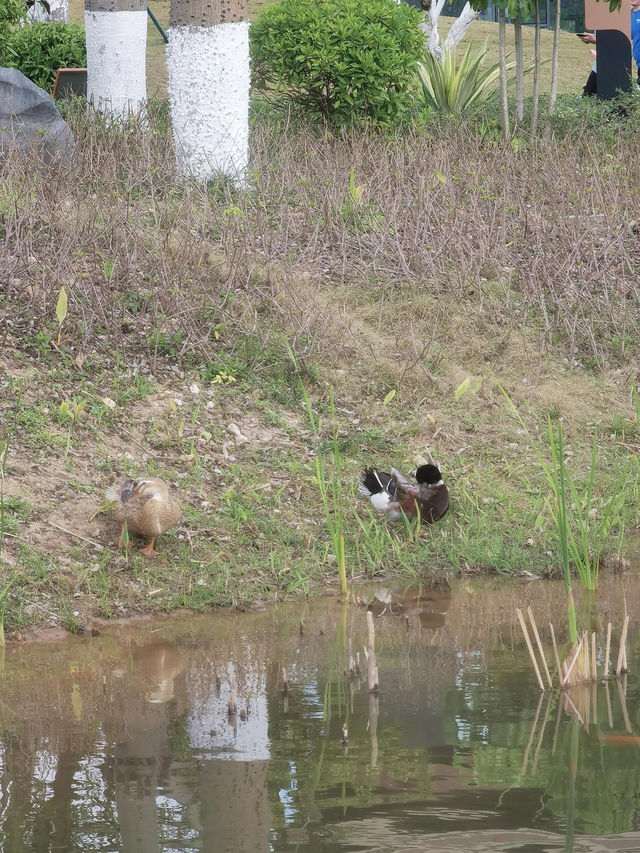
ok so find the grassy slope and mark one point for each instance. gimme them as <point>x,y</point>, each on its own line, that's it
<point>469,261</point>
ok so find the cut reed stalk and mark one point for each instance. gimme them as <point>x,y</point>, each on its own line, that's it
<point>232,704</point>
<point>608,698</point>
<point>555,654</point>
<point>621,651</point>
<point>573,709</point>
<point>579,670</point>
<point>530,648</point>
<point>554,742</point>
<point>623,706</point>
<point>573,654</point>
<point>370,655</point>
<point>539,644</point>
<point>536,755</point>
<point>607,651</point>
<point>594,667</point>
<point>525,758</point>
<point>374,702</point>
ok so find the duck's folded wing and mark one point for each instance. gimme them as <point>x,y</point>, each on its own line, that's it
<point>401,487</point>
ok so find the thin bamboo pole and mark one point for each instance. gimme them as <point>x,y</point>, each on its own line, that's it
<point>594,667</point>
<point>539,644</point>
<point>530,648</point>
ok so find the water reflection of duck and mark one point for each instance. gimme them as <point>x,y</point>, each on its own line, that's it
<point>160,662</point>
<point>396,495</point>
<point>429,602</point>
<point>146,508</point>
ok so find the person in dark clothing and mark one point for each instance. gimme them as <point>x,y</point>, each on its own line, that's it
<point>591,86</point>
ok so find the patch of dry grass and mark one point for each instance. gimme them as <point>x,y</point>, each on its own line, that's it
<point>449,230</point>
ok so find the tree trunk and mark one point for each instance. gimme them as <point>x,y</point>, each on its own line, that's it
<point>59,11</point>
<point>430,28</point>
<point>116,33</point>
<point>517,40</point>
<point>536,73</point>
<point>504,100</point>
<point>554,60</point>
<point>460,26</point>
<point>208,65</point>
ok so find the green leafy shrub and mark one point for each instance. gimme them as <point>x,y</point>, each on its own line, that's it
<point>346,60</point>
<point>11,13</point>
<point>39,49</point>
<point>452,87</point>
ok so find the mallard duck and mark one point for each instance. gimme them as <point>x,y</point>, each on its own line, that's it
<point>396,495</point>
<point>147,509</point>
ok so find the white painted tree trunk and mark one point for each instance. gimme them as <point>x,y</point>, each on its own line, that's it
<point>59,11</point>
<point>460,26</point>
<point>208,71</point>
<point>456,32</point>
<point>430,27</point>
<point>116,33</point>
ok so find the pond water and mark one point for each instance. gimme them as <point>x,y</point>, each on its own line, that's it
<point>123,742</point>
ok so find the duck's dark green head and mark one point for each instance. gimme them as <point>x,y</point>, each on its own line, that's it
<point>427,475</point>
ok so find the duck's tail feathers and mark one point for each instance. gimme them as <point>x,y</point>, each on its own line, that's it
<point>113,493</point>
<point>121,492</point>
<point>372,482</point>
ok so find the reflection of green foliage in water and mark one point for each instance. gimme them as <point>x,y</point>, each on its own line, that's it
<point>324,776</point>
<point>607,782</point>
<point>595,788</point>
<point>179,743</point>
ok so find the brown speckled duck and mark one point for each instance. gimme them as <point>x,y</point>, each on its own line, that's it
<point>147,509</point>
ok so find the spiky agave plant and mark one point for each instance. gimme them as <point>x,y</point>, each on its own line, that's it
<point>451,87</point>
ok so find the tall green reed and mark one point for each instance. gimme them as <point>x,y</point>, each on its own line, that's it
<point>4,447</point>
<point>4,596</point>
<point>328,479</point>
<point>584,539</point>
<point>582,526</point>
